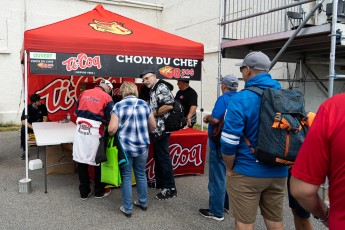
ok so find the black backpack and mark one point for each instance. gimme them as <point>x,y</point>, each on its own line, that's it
<point>175,120</point>
<point>283,125</point>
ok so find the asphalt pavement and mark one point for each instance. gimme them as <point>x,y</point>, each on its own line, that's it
<point>62,208</point>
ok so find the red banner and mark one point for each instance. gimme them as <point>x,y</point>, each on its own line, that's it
<point>187,148</point>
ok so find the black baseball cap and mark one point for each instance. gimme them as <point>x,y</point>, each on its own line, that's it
<point>35,97</point>
<point>184,80</point>
<point>146,72</point>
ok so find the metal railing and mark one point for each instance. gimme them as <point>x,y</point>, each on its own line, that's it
<point>251,18</point>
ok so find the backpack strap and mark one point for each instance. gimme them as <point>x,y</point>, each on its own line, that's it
<point>258,91</point>
<point>249,145</point>
<point>157,83</point>
<point>255,90</point>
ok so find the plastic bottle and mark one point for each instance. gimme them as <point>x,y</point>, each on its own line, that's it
<point>68,117</point>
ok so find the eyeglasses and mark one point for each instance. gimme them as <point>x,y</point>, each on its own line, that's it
<point>147,78</point>
<point>242,68</point>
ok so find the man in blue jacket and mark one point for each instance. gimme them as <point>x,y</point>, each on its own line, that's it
<point>251,183</point>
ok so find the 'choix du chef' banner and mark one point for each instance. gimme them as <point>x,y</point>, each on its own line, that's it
<point>113,65</point>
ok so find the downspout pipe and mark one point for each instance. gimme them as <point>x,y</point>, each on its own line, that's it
<point>332,51</point>
<point>219,48</point>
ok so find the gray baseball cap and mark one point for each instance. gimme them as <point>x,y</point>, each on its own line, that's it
<point>229,80</point>
<point>256,60</point>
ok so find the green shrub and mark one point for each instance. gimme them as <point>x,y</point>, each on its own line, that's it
<point>9,126</point>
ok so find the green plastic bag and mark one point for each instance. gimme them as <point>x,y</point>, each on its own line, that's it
<point>110,170</point>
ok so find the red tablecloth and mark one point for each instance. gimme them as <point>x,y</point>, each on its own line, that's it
<point>187,149</point>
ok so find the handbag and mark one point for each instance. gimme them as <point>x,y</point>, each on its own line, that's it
<point>110,170</point>
<point>101,155</point>
<point>122,156</point>
<point>216,132</point>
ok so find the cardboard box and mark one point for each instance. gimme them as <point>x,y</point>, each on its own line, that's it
<point>59,159</point>
<point>32,142</point>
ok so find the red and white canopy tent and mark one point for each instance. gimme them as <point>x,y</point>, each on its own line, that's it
<point>99,43</point>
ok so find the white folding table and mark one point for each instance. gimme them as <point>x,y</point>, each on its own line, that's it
<point>52,133</point>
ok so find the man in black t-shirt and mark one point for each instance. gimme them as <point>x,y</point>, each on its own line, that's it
<point>189,100</point>
<point>36,113</point>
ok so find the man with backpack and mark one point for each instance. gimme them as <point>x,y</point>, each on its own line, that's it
<point>218,199</point>
<point>162,104</point>
<point>251,183</point>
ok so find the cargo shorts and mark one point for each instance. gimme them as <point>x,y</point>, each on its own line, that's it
<point>246,194</point>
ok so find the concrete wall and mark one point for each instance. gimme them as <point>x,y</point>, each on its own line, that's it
<point>193,19</point>
<point>11,34</point>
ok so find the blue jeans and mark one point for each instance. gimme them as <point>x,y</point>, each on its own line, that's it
<point>138,164</point>
<point>218,199</point>
<point>163,166</point>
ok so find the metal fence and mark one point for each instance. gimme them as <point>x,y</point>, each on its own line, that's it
<point>268,23</point>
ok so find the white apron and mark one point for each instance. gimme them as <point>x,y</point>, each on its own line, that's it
<point>86,141</point>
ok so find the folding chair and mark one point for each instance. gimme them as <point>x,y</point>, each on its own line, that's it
<point>296,19</point>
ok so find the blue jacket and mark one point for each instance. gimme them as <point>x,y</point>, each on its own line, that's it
<point>242,119</point>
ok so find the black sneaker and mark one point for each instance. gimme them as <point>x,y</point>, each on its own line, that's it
<point>106,193</point>
<point>85,197</point>
<point>208,214</point>
<point>23,156</point>
<point>166,194</point>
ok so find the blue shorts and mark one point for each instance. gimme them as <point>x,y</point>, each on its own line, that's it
<point>300,212</point>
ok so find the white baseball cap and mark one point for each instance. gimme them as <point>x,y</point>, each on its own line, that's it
<point>107,83</point>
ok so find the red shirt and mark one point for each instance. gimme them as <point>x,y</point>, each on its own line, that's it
<point>323,154</point>
<point>95,104</point>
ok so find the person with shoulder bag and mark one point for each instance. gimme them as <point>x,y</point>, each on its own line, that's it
<point>218,198</point>
<point>132,118</point>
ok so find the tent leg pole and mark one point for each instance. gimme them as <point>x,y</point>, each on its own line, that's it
<point>25,184</point>
<point>201,103</point>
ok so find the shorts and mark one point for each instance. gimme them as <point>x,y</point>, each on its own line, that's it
<point>246,194</point>
<point>293,204</point>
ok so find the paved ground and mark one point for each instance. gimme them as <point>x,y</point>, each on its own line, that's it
<point>61,207</point>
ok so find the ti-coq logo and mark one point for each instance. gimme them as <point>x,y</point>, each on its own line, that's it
<point>110,27</point>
